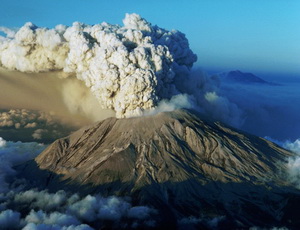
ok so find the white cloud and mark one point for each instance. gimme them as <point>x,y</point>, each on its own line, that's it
<point>9,219</point>
<point>13,153</point>
<point>293,162</point>
<point>113,208</point>
<point>32,226</point>
<point>34,125</point>
<point>176,102</point>
<point>9,32</point>
<point>54,218</point>
<point>58,210</point>
<point>2,142</point>
<point>38,133</point>
<point>293,146</point>
<point>42,199</point>
<point>91,208</point>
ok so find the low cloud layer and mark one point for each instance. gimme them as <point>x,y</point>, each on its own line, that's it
<point>14,153</point>
<point>31,125</point>
<point>265,109</point>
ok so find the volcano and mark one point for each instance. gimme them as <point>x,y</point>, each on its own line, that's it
<point>181,165</point>
<point>243,78</point>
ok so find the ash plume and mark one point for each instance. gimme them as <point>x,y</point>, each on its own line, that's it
<point>132,70</point>
<point>65,100</point>
<point>129,69</point>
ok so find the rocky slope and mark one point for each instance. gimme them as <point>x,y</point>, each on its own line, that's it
<point>181,165</point>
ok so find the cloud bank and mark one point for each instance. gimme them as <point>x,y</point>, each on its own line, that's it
<point>31,208</point>
<point>31,125</point>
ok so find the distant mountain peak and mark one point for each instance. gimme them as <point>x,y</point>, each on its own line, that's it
<point>242,77</point>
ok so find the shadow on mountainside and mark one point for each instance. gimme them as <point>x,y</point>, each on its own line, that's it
<point>214,205</point>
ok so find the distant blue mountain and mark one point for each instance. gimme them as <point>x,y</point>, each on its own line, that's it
<point>243,78</point>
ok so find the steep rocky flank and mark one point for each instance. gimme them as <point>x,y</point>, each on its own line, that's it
<point>178,163</point>
<point>168,147</point>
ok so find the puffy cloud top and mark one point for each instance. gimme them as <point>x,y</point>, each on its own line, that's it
<point>129,69</point>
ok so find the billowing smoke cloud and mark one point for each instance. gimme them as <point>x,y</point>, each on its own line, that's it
<point>65,98</point>
<point>176,102</point>
<point>129,69</point>
<point>22,208</point>
<point>139,69</point>
<point>80,101</point>
<point>206,95</point>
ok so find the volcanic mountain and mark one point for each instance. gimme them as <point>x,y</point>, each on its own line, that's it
<point>243,78</point>
<point>182,166</point>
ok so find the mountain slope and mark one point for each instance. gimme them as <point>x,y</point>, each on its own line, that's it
<point>165,147</point>
<point>180,165</point>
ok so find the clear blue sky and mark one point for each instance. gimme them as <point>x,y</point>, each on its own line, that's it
<point>251,35</point>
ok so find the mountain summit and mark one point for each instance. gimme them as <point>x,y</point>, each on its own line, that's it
<point>180,165</point>
<point>243,78</point>
<point>167,147</point>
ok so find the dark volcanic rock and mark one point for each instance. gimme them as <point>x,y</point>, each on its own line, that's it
<point>180,165</point>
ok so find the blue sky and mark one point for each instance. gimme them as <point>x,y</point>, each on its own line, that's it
<point>251,35</point>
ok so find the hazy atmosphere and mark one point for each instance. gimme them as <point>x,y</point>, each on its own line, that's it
<point>67,64</point>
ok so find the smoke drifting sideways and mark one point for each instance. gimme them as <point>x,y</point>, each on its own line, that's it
<point>129,69</point>
<point>137,69</point>
<point>134,70</point>
<point>45,106</point>
<point>26,207</point>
